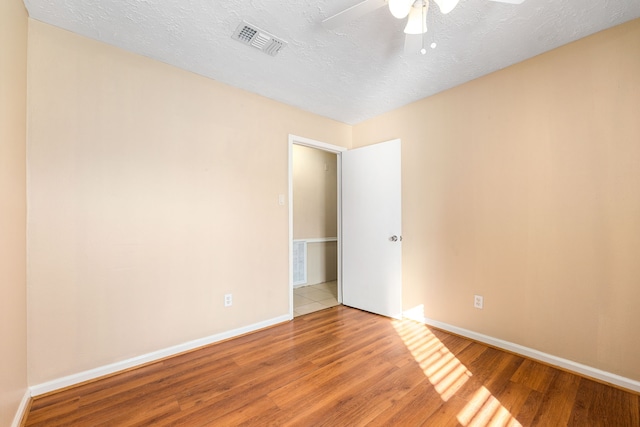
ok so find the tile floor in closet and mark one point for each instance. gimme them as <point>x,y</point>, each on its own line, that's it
<point>307,299</point>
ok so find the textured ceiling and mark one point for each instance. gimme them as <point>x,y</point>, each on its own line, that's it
<point>349,74</point>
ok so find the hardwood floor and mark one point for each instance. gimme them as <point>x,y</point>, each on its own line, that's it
<point>341,367</point>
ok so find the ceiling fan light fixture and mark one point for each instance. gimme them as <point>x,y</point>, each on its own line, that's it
<point>446,6</point>
<point>400,8</point>
<point>417,22</point>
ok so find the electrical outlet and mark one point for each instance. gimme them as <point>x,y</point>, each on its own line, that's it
<point>478,301</point>
<point>228,300</point>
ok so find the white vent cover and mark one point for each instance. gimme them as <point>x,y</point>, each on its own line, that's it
<point>261,40</point>
<point>299,262</point>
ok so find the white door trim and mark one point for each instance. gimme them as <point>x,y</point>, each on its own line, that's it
<point>299,140</point>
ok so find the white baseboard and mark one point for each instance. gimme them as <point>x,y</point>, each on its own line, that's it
<point>568,365</point>
<point>91,374</point>
<point>22,409</point>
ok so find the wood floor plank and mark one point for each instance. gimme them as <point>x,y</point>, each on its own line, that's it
<point>470,353</point>
<point>447,415</point>
<point>362,402</point>
<point>530,409</point>
<point>512,398</point>
<point>558,400</point>
<point>58,409</point>
<point>412,409</point>
<point>112,399</point>
<point>585,396</point>
<point>218,405</point>
<point>333,409</point>
<point>248,414</point>
<point>339,373</point>
<point>535,375</point>
<point>341,367</point>
<point>166,380</point>
<point>597,404</point>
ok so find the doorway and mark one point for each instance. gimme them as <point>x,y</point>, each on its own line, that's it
<point>369,226</point>
<point>314,225</point>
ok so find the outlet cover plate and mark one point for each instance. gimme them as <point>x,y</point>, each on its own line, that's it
<point>478,301</point>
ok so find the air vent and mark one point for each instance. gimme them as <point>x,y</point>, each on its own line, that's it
<point>261,40</point>
<point>299,262</point>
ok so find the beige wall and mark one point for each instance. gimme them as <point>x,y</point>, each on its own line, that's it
<point>524,186</point>
<point>152,192</point>
<point>322,262</point>
<point>13,306</point>
<point>314,193</point>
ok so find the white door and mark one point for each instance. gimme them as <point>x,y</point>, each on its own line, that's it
<point>372,229</point>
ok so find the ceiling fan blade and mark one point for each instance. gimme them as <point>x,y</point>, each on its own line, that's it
<point>509,1</point>
<point>446,6</point>
<point>352,13</point>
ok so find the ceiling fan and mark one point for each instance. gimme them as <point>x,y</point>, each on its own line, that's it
<point>414,10</point>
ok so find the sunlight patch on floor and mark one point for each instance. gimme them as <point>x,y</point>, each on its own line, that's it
<point>440,366</point>
<point>485,410</point>
<point>448,375</point>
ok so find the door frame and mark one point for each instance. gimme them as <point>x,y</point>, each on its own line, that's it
<point>299,140</point>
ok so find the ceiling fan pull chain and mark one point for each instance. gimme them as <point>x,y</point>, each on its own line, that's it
<point>424,29</point>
